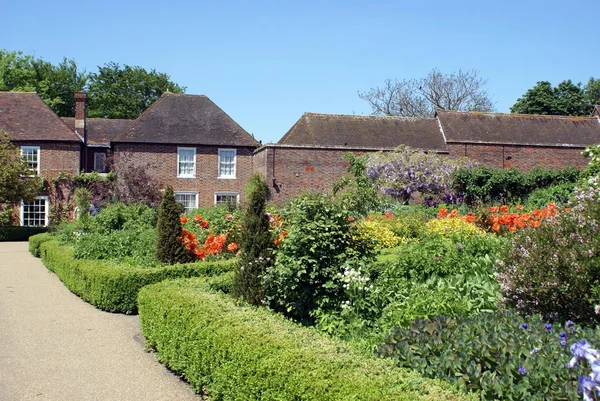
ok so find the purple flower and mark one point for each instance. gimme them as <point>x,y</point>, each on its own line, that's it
<point>548,327</point>
<point>436,257</point>
<point>563,343</point>
<point>458,246</point>
<point>524,326</point>
<point>563,335</point>
<point>522,370</point>
<point>570,324</point>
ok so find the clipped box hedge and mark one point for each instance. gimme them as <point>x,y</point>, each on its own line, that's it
<point>113,287</point>
<point>19,233</point>
<point>36,240</point>
<point>238,353</point>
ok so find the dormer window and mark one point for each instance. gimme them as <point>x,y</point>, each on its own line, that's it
<point>31,157</point>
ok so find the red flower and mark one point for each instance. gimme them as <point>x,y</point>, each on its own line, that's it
<point>204,224</point>
<point>197,218</point>
<point>443,212</point>
<point>232,247</point>
<point>183,219</point>
<point>504,209</point>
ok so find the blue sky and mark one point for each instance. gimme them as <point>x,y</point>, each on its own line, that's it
<point>267,62</point>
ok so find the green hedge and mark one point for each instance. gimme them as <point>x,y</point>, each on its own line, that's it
<point>18,233</point>
<point>110,286</point>
<point>243,353</point>
<point>36,240</point>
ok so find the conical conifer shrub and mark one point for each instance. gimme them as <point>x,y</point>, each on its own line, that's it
<point>169,248</point>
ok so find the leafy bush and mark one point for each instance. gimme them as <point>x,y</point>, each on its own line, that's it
<point>36,240</point>
<point>113,287</point>
<point>499,355</point>
<point>256,243</point>
<point>355,191</point>
<point>554,269</point>
<point>169,248</point>
<point>490,185</point>
<point>451,227</point>
<point>119,216</point>
<point>380,232</point>
<point>132,246</point>
<point>558,194</point>
<point>320,246</point>
<point>248,354</point>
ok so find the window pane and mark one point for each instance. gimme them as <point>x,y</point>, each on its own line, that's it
<point>186,162</point>
<point>227,163</point>
<point>30,157</point>
<point>226,199</point>
<point>34,213</point>
<point>187,200</point>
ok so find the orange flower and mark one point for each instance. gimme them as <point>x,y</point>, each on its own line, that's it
<point>567,209</point>
<point>276,242</point>
<point>504,209</point>
<point>470,218</point>
<point>443,212</point>
<point>232,247</point>
<point>388,215</point>
<point>183,219</point>
<point>496,227</point>
<point>519,208</point>
<point>453,213</point>
<point>494,209</point>
<point>350,218</point>
<point>512,229</point>
<point>204,224</point>
<point>197,218</point>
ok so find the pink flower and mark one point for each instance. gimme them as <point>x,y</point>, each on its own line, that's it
<point>229,216</point>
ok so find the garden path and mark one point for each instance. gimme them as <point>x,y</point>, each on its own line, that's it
<point>54,346</point>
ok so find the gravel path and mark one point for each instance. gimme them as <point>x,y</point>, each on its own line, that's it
<point>54,346</point>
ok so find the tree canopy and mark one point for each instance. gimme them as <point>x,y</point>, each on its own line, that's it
<point>566,99</point>
<point>114,91</point>
<point>461,91</point>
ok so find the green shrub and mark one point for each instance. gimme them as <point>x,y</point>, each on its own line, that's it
<point>256,244</point>
<point>558,194</point>
<point>36,240</point>
<point>554,269</point>
<point>124,217</point>
<point>169,248</point>
<point>484,352</point>
<point>505,186</point>
<point>321,246</point>
<point>132,246</point>
<point>110,286</point>
<point>19,233</point>
<point>248,354</point>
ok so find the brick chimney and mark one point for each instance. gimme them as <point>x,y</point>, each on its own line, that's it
<point>80,105</point>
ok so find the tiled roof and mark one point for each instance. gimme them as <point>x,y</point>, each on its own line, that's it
<point>314,129</point>
<point>596,112</point>
<point>25,117</point>
<point>519,129</point>
<point>101,131</point>
<point>186,120</point>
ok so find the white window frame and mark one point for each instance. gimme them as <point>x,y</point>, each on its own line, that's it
<point>179,175</point>
<point>236,194</point>
<point>96,154</point>
<point>46,211</point>
<point>227,177</point>
<point>38,155</point>
<point>187,193</point>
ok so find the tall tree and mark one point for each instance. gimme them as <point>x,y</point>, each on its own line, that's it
<point>125,92</point>
<point>461,91</point>
<point>566,99</point>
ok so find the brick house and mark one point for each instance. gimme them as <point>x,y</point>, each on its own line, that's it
<point>309,156</point>
<point>48,145</point>
<point>189,143</point>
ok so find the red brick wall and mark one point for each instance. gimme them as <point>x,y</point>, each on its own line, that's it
<point>89,165</point>
<point>521,157</point>
<point>289,171</point>
<point>161,163</point>
<point>56,157</point>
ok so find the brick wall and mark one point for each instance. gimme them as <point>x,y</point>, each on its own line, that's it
<point>161,163</point>
<point>56,157</point>
<point>521,157</point>
<point>289,170</point>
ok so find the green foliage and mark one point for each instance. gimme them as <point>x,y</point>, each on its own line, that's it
<point>553,270</point>
<point>593,168</point>
<point>15,181</point>
<point>256,244</point>
<point>19,233</point>
<point>566,99</point>
<point>483,353</point>
<point>125,92</point>
<point>320,246</point>
<point>490,185</point>
<point>119,216</point>
<point>135,247</point>
<point>82,202</point>
<point>36,240</point>
<point>558,194</point>
<point>111,286</point>
<point>169,248</point>
<point>355,190</point>
<point>248,354</point>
